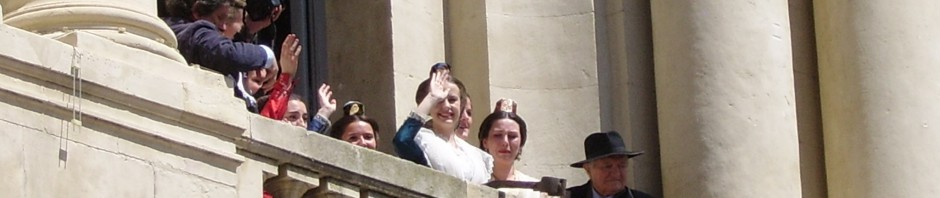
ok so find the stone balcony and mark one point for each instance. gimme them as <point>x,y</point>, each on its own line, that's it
<point>84,116</point>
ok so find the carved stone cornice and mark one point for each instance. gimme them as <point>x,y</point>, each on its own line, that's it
<point>133,23</point>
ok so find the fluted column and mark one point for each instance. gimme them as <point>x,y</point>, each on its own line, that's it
<point>725,97</point>
<point>129,22</point>
<point>808,116</point>
<point>879,74</point>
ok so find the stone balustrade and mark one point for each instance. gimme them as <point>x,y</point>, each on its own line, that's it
<point>84,116</point>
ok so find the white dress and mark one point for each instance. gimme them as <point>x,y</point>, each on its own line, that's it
<point>523,192</point>
<point>466,162</point>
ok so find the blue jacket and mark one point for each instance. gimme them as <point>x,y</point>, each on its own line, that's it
<point>404,141</point>
<point>201,42</point>
<point>319,124</point>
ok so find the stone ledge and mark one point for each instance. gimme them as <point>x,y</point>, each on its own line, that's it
<point>329,157</point>
<point>58,104</point>
<point>176,92</point>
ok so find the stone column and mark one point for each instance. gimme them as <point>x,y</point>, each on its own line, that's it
<point>724,88</point>
<point>632,92</point>
<point>378,53</point>
<point>543,55</point>
<point>129,22</point>
<point>880,89</point>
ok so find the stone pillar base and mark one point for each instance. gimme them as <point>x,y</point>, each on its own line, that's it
<point>135,27</point>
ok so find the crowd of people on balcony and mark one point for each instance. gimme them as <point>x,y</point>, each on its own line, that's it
<point>222,36</point>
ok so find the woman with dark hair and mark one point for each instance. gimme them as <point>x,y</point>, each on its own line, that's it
<point>439,147</point>
<point>466,119</point>
<point>355,127</point>
<point>502,135</point>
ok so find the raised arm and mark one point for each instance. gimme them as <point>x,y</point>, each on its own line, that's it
<point>279,96</point>
<point>320,122</point>
<point>405,145</point>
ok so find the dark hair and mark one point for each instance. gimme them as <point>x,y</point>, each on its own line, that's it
<point>488,122</point>
<point>294,96</point>
<point>339,127</point>
<point>425,85</point>
<point>185,8</point>
<point>261,9</point>
<point>349,117</point>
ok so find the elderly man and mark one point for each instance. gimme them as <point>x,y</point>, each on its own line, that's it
<point>606,165</point>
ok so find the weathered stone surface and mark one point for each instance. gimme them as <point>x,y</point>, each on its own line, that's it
<point>417,43</point>
<point>86,172</point>
<point>13,158</point>
<point>144,151</point>
<point>879,89</point>
<point>725,97</point>
<point>250,179</point>
<point>57,103</point>
<point>136,84</point>
<point>131,23</point>
<point>179,183</point>
<point>333,187</point>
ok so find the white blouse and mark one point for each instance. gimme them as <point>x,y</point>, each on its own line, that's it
<point>523,192</point>
<point>466,162</point>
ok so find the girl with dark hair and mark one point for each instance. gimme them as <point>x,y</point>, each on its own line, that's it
<point>439,147</point>
<point>355,127</point>
<point>502,135</point>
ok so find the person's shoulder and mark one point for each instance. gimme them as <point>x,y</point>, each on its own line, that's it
<point>579,191</point>
<point>425,132</point>
<point>467,147</point>
<point>190,30</point>
<point>203,24</point>
<point>426,138</point>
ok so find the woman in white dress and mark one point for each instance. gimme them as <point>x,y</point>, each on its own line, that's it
<point>439,147</point>
<point>502,135</point>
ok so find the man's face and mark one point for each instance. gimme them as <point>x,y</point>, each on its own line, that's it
<point>608,175</point>
<point>219,17</point>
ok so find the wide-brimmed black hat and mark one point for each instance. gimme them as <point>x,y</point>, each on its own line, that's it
<point>604,144</point>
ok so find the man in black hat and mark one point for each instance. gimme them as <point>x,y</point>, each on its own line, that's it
<point>606,165</point>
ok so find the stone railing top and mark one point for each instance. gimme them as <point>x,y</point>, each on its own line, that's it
<point>353,164</point>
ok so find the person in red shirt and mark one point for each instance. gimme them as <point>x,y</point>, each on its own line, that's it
<point>279,96</point>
